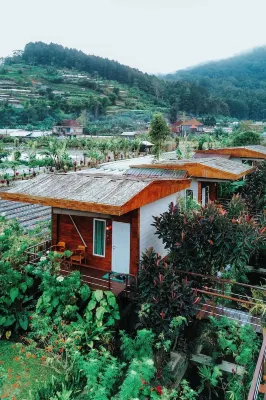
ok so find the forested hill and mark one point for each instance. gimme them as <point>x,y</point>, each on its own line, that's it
<point>239,80</point>
<point>185,96</point>
<point>53,54</point>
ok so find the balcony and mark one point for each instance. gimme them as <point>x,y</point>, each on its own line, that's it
<point>97,278</point>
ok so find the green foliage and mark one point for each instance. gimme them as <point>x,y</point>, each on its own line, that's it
<point>209,239</point>
<point>238,81</point>
<point>73,310</point>
<point>163,299</point>
<point>240,342</point>
<point>60,295</point>
<point>173,113</point>
<point>15,282</point>
<point>210,377</point>
<point>159,132</point>
<point>259,308</point>
<point>254,191</point>
<point>56,150</point>
<point>186,393</point>
<point>246,138</point>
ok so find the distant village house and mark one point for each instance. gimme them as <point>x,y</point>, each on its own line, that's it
<point>68,127</point>
<point>192,126</point>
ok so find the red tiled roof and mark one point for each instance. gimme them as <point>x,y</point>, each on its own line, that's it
<point>192,122</point>
<point>69,122</point>
<point>175,127</point>
<point>193,127</point>
<point>177,123</point>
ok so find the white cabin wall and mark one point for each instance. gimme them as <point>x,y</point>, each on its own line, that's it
<point>236,159</point>
<point>147,232</point>
<point>194,187</point>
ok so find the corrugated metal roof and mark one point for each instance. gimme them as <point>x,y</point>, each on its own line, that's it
<point>156,172</point>
<point>211,155</point>
<point>224,165</point>
<point>27,215</point>
<point>98,189</point>
<point>218,163</point>
<point>170,155</point>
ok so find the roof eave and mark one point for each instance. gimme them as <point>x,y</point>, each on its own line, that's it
<point>62,203</point>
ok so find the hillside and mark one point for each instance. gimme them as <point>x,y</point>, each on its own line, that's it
<point>240,81</point>
<point>47,82</point>
<point>39,96</point>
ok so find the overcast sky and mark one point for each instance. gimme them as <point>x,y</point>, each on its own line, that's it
<point>152,35</point>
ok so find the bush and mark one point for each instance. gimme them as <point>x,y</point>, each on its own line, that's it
<point>209,239</point>
<point>162,297</point>
<point>246,138</point>
<point>15,283</point>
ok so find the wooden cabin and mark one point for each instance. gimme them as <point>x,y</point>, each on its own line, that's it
<point>243,154</point>
<point>205,174</point>
<point>105,220</point>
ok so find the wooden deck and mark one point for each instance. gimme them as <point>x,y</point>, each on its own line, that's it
<point>95,277</point>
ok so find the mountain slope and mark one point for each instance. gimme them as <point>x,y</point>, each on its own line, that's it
<point>240,81</point>
<point>48,82</point>
<point>41,95</point>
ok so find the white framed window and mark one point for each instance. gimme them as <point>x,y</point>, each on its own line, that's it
<point>99,237</point>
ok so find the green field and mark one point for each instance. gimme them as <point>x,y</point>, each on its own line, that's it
<point>21,370</point>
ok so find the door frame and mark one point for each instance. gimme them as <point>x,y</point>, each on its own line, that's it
<point>114,247</point>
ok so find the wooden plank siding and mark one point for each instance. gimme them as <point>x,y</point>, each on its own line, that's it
<point>199,192</point>
<point>63,230</point>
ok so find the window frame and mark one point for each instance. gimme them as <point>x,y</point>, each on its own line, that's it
<point>104,240</point>
<point>189,192</point>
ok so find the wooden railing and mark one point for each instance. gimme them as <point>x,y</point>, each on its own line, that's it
<point>35,252</point>
<point>222,286</point>
<point>129,285</point>
<point>257,385</point>
<point>219,297</point>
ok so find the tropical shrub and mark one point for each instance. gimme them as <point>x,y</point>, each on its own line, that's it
<point>243,344</point>
<point>98,375</point>
<point>209,239</point>
<point>15,283</point>
<point>164,300</point>
<point>246,138</point>
<point>254,190</point>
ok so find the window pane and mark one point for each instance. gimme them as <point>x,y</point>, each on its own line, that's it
<point>99,238</point>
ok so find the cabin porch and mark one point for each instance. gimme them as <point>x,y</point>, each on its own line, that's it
<point>94,276</point>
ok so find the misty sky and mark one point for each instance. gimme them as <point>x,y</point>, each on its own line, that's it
<point>152,35</point>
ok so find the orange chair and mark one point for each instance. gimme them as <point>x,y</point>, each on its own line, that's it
<point>78,255</point>
<point>60,247</point>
